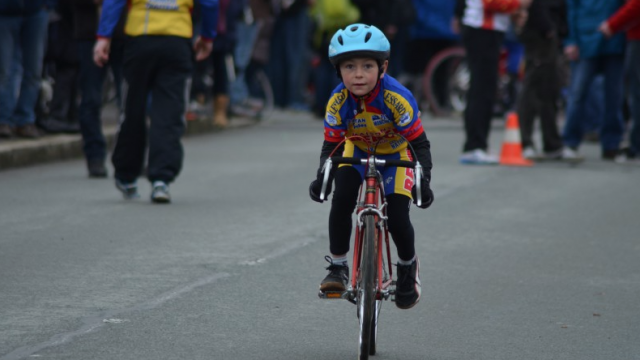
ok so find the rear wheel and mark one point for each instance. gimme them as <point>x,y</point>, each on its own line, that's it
<point>446,81</point>
<point>367,289</point>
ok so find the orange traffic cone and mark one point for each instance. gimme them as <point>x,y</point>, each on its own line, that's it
<point>512,146</point>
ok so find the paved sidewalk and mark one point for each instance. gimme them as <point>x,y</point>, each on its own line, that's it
<point>18,152</point>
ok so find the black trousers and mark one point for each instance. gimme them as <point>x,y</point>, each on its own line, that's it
<point>540,90</point>
<point>483,57</point>
<point>157,71</point>
<point>343,204</point>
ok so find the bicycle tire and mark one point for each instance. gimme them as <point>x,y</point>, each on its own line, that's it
<point>367,288</point>
<point>374,327</point>
<point>452,60</point>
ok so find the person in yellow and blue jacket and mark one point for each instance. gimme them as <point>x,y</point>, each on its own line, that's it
<point>158,63</point>
<point>369,102</point>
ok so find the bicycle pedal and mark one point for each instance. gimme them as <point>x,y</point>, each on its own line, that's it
<point>331,295</point>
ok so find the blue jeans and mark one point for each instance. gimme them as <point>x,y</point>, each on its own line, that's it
<point>612,128</point>
<point>287,68</point>
<point>593,114</point>
<point>26,36</point>
<point>632,68</point>
<point>247,35</point>
<point>326,80</point>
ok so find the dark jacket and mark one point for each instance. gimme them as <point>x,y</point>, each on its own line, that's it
<point>382,13</point>
<point>546,18</point>
<point>85,20</point>
<point>24,7</point>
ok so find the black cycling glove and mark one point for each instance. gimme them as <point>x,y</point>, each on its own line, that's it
<point>425,191</point>
<point>422,148</point>
<point>316,187</point>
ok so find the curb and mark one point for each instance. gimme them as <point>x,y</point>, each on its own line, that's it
<point>19,153</point>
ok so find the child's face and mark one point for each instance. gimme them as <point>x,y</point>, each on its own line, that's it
<point>360,75</point>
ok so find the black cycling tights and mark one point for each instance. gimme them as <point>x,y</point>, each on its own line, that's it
<point>345,196</point>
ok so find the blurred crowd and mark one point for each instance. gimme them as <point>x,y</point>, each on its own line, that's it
<point>571,64</point>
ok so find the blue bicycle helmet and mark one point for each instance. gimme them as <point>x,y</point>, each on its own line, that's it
<point>358,40</point>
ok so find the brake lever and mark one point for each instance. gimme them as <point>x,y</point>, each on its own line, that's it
<point>326,168</point>
<point>418,172</point>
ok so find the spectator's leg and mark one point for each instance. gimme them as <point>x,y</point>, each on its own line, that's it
<point>548,94</point>
<point>168,108</point>
<point>115,64</point>
<point>582,74</point>
<point>9,33</point>
<point>32,44</point>
<point>633,76</point>
<point>527,106</point>
<point>483,54</point>
<point>276,67</point>
<point>613,126</point>
<point>128,154</point>
<point>296,59</point>
<point>91,79</point>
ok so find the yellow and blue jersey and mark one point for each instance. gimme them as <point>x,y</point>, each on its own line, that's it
<point>390,107</point>
<point>158,17</point>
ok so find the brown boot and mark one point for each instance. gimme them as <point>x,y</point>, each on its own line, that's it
<point>29,131</point>
<point>220,106</point>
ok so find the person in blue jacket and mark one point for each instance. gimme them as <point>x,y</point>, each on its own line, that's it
<point>23,34</point>
<point>430,33</point>
<point>593,53</point>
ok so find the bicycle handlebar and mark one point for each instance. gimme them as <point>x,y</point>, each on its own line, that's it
<point>378,162</point>
<point>328,164</point>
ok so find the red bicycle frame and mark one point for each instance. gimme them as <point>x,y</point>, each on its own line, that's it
<point>371,200</point>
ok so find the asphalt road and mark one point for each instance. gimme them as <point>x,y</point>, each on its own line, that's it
<point>517,263</point>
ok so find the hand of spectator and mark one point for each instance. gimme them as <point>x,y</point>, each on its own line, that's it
<point>202,48</point>
<point>572,52</point>
<point>519,18</point>
<point>605,29</point>
<point>524,4</point>
<point>455,25</point>
<point>101,51</point>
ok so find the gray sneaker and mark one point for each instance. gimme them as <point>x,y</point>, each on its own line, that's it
<point>128,190</point>
<point>571,155</point>
<point>160,193</point>
<point>530,153</point>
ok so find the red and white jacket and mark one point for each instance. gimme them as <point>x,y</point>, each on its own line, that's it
<point>627,18</point>
<point>490,14</point>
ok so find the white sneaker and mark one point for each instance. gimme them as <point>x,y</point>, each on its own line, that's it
<point>530,153</point>
<point>160,193</point>
<point>479,157</point>
<point>571,155</point>
<point>624,158</point>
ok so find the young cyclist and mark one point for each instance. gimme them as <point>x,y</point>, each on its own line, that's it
<point>369,102</point>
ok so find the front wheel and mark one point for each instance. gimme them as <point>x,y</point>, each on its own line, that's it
<point>374,327</point>
<point>367,290</point>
